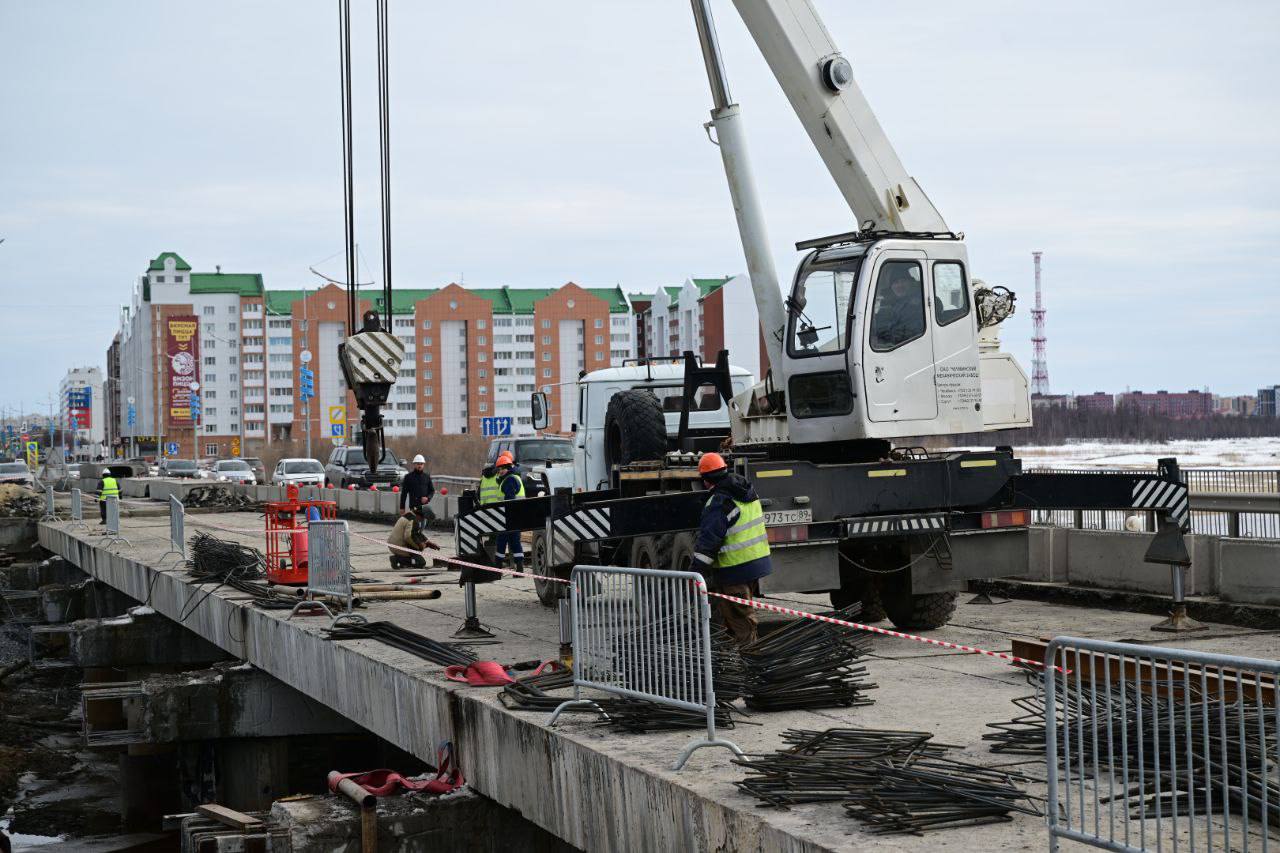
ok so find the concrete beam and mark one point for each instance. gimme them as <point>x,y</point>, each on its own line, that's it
<point>33,576</point>
<point>87,599</point>
<point>139,638</point>
<point>219,703</point>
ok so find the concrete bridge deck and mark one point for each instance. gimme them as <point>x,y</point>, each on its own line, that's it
<point>596,789</point>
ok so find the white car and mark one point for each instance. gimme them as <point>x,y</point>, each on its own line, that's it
<point>298,472</point>
<point>17,473</point>
<point>232,471</point>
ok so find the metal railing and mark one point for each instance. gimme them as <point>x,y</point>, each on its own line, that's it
<point>112,530</point>
<point>1151,747</point>
<point>77,508</point>
<point>1255,480</point>
<point>177,529</point>
<point>644,634</point>
<point>328,568</point>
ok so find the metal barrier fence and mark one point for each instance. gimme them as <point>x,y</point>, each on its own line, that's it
<point>328,566</point>
<point>644,634</point>
<point>50,511</point>
<point>77,508</point>
<point>1254,480</point>
<point>177,529</point>
<point>1236,516</point>
<point>112,530</point>
<point>1150,747</point>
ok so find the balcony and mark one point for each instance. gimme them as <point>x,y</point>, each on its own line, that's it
<point>255,383</point>
<point>251,314</point>
<point>254,398</point>
<point>252,348</point>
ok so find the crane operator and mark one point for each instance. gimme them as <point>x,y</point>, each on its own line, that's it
<point>732,547</point>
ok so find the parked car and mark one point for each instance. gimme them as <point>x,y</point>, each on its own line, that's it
<point>183,469</point>
<point>17,473</point>
<point>298,472</point>
<point>73,471</point>
<point>539,457</point>
<point>259,470</point>
<point>347,468</point>
<point>233,471</point>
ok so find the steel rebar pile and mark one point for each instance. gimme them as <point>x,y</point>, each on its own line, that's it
<point>638,716</point>
<point>807,664</point>
<point>444,654</point>
<point>1134,725</point>
<point>230,564</point>
<point>529,693</point>
<point>898,781</point>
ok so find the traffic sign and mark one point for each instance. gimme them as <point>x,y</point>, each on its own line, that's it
<point>337,414</point>
<point>33,454</point>
<point>171,448</point>
<point>235,446</point>
<point>337,430</point>
<point>495,426</point>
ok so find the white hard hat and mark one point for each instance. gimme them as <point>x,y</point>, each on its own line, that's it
<point>419,458</point>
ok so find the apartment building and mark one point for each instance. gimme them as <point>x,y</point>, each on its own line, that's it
<point>1098,401</point>
<point>703,315</point>
<point>470,354</point>
<point>81,412</point>
<point>1192,404</point>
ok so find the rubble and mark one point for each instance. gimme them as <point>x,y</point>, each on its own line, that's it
<point>214,496</point>
<point>19,502</point>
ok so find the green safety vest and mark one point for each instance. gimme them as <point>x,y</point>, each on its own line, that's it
<point>746,539</point>
<point>490,491</point>
<point>110,488</point>
<point>519,482</point>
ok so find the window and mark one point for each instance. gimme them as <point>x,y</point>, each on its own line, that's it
<point>209,344</point>
<point>210,429</point>
<point>484,374</point>
<point>546,355</point>
<point>481,340</point>
<point>523,388</point>
<point>277,358</point>
<point>428,424</point>
<point>484,390</point>
<point>274,374</point>
<point>208,310</point>
<point>427,357</point>
<point>427,373</point>
<point>599,324</point>
<point>599,340</point>
<point>231,309</point>
<point>897,316</point>
<point>546,340</point>
<point>234,359</point>
<point>502,339</point>
<point>231,326</point>
<point>524,321</point>
<point>210,361</point>
<point>482,356</point>
<point>211,450</point>
<point>407,373</point>
<point>275,341</point>
<point>546,324</point>
<point>426,324</point>
<point>480,324</point>
<point>210,377</point>
<point>546,373</point>
<point>211,395</point>
<point>428,408</point>
<point>428,391</point>
<point>524,339</point>
<point>502,321</point>
<point>822,328</point>
<point>426,342</point>
<point>234,394</point>
<point>599,356</point>
<point>235,412</point>
<point>159,279</point>
<point>484,407</point>
<point>950,293</point>
<point>211,412</point>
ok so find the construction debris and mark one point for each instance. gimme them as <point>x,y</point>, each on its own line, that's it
<point>19,502</point>
<point>216,496</point>
<point>900,782</point>
<point>807,664</point>
<point>238,566</point>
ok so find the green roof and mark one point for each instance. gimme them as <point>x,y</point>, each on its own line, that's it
<point>281,301</point>
<point>613,295</point>
<point>709,285</point>
<point>157,264</point>
<point>402,301</point>
<point>243,283</point>
<point>674,292</point>
<point>505,300</point>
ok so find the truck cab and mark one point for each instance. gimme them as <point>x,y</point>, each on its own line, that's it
<point>543,457</point>
<point>604,436</point>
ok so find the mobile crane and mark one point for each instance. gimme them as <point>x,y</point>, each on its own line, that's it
<point>885,336</point>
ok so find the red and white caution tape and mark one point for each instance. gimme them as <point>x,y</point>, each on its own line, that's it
<point>760,605</point>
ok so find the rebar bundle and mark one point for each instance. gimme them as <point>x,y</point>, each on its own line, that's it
<point>1177,746</point>
<point>240,567</point>
<point>529,693</point>
<point>807,664</point>
<point>898,781</point>
<point>638,716</point>
<point>444,654</point>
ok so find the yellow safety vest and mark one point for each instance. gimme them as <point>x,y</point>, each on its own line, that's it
<point>746,539</point>
<point>519,482</point>
<point>490,491</point>
<point>110,488</point>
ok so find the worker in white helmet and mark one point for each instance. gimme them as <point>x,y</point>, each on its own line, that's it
<point>416,489</point>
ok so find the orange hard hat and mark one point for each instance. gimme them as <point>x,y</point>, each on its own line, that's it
<point>710,463</point>
<point>505,458</point>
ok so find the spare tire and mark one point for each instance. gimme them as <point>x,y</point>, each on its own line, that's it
<point>635,429</point>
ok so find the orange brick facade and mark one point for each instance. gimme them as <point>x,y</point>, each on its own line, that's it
<point>453,303</point>
<point>573,303</point>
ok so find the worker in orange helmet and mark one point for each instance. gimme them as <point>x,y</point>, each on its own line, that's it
<point>502,482</point>
<point>732,548</point>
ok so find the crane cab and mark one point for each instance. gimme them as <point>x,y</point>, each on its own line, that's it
<point>883,341</point>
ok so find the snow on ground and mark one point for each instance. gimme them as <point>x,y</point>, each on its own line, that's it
<point>1207,453</point>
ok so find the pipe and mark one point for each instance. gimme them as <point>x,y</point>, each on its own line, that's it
<point>368,804</point>
<point>406,595</point>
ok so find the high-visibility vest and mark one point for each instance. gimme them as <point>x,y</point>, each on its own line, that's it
<point>746,539</point>
<point>490,491</point>
<point>519,482</point>
<point>110,488</point>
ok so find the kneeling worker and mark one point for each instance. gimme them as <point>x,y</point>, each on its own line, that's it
<point>732,548</point>
<point>407,536</point>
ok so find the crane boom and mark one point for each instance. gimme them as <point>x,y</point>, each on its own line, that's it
<point>819,83</point>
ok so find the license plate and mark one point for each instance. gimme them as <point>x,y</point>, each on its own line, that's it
<point>788,516</point>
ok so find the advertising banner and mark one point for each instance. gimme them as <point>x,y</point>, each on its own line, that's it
<point>182,346</point>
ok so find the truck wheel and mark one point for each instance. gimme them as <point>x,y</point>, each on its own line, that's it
<point>635,428</point>
<point>652,552</point>
<point>923,611</point>
<point>549,592</point>
<point>682,550</point>
<point>869,594</point>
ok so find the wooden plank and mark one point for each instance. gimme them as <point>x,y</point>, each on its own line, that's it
<point>1154,676</point>
<point>228,817</point>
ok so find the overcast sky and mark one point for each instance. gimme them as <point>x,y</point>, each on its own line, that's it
<point>1134,143</point>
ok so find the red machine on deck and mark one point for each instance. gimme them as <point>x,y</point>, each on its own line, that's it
<point>287,536</point>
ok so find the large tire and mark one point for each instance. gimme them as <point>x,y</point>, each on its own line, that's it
<point>682,550</point>
<point>872,609</point>
<point>916,612</point>
<point>549,592</point>
<point>651,552</point>
<point>635,429</point>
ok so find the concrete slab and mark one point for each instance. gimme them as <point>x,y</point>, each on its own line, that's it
<point>596,789</point>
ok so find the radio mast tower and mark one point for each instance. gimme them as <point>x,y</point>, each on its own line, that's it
<point>1039,364</point>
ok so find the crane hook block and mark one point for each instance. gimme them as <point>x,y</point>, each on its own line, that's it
<point>370,362</point>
